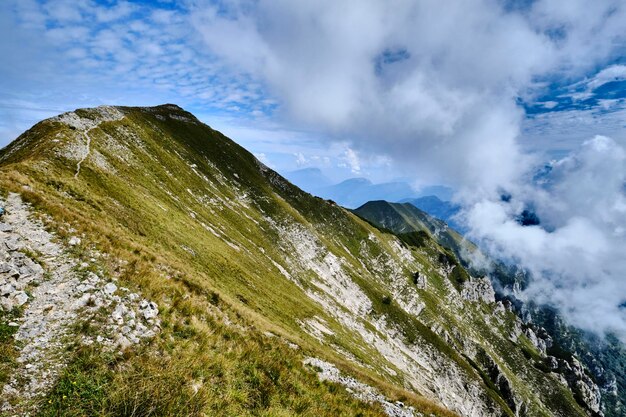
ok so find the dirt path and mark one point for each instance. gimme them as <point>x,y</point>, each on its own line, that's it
<point>86,133</point>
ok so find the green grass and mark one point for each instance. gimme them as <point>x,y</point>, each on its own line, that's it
<point>8,351</point>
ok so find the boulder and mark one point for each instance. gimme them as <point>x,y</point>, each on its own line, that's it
<point>552,363</point>
<point>12,245</point>
<point>6,303</point>
<point>7,289</point>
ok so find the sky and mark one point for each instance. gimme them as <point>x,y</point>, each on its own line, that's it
<point>517,105</point>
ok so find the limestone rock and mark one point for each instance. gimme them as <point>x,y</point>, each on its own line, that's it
<point>110,288</point>
<point>581,384</point>
<point>537,342</point>
<point>419,280</point>
<point>149,310</point>
<point>20,298</point>
<point>7,289</point>
<point>479,289</point>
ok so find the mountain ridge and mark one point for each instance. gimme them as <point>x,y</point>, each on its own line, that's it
<point>252,276</point>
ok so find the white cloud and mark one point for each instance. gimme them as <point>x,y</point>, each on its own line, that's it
<point>607,75</point>
<point>300,159</point>
<point>350,159</point>
<point>576,255</point>
<point>263,158</point>
<point>559,132</point>
<point>451,96</point>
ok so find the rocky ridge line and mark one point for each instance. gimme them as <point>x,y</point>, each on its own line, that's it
<point>53,296</point>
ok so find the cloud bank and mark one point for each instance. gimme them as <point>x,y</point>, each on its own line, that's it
<point>437,86</point>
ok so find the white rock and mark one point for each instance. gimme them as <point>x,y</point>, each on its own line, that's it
<point>118,313</point>
<point>74,241</point>
<point>151,311</point>
<point>6,303</point>
<point>20,298</point>
<point>6,289</point>
<point>110,288</point>
<point>123,342</point>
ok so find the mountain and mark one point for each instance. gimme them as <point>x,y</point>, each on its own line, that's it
<point>433,205</point>
<point>605,360</point>
<point>404,219</point>
<point>440,191</point>
<point>308,178</point>
<point>149,265</point>
<point>354,192</point>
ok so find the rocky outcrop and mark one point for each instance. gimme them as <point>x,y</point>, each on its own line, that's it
<point>585,391</point>
<point>501,382</point>
<point>539,338</point>
<point>478,289</point>
<point>419,280</point>
<point>537,342</point>
<point>329,372</point>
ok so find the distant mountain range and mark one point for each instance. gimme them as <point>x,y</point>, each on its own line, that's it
<point>354,192</point>
<point>309,179</point>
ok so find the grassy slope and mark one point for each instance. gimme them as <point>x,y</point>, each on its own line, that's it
<point>193,219</point>
<point>405,218</point>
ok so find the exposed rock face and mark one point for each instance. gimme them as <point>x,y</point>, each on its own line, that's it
<point>502,383</point>
<point>537,342</point>
<point>419,280</point>
<point>478,289</point>
<point>426,369</point>
<point>584,389</point>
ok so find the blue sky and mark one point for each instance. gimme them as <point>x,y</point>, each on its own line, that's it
<point>66,54</point>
